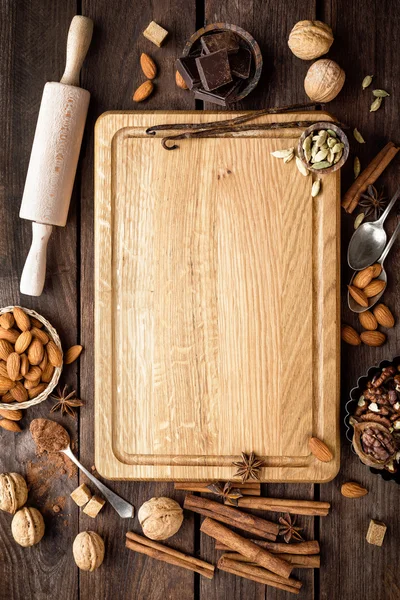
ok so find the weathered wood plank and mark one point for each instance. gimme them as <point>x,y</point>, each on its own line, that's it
<point>33,51</point>
<point>111,73</point>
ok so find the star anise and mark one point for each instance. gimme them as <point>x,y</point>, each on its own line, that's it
<point>373,202</point>
<point>249,467</point>
<point>226,491</point>
<point>66,402</point>
<point>288,529</point>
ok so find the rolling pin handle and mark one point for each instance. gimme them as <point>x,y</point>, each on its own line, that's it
<point>79,38</point>
<point>34,273</point>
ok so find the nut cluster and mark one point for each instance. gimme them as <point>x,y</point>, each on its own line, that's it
<point>322,149</point>
<point>366,285</point>
<point>149,69</point>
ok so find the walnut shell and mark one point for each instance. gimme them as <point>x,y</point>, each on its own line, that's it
<point>324,80</point>
<point>310,39</point>
<point>365,458</point>
<point>88,550</point>
<point>160,518</point>
<point>27,527</point>
<point>13,492</point>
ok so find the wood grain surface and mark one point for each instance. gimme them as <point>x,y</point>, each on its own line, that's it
<point>33,35</point>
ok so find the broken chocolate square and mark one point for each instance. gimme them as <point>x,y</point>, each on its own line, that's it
<point>226,40</point>
<point>240,63</point>
<point>187,67</point>
<point>222,96</point>
<point>214,70</point>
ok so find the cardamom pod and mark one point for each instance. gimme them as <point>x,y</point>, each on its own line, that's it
<point>358,136</point>
<point>307,142</point>
<point>330,156</point>
<point>332,133</point>
<point>314,150</point>
<point>315,138</point>
<point>288,158</point>
<point>331,141</point>
<point>338,156</point>
<point>366,81</point>
<point>376,104</point>
<point>380,93</point>
<point>307,155</point>
<point>321,155</point>
<point>324,164</point>
<point>356,167</point>
<point>316,187</point>
<point>337,147</point>
<point>358,220</point>
<point>282,153</point>
<point>303,170</point>
<point>322,138</point>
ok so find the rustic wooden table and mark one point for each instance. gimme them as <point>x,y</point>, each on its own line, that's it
<point>33,34</point>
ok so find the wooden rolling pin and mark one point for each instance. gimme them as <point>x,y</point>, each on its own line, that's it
<point>54,155</point>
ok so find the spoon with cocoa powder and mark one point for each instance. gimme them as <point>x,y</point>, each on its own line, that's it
<point>51,437</point>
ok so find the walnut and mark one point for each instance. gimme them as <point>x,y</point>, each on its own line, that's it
<point>310,39</point>
<point>374,444</point>
<point>324,80</point>
<point>27,527</point>
<point>13,492</point>
<point>160,518</point>
<point>88,550</point>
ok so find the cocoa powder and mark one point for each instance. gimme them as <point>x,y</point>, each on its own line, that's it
<point>48,435</point>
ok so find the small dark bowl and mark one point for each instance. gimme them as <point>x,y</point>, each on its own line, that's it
<point>248,42</point>
<point>342,138</point>
<point>351,406</point>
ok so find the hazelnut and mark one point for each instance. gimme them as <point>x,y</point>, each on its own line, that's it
<point>88,550</point>
<point>324,80</point>
<point>310,39</point>
<point>160,518</point>
<point>13,492</point>
<point>27,527</point>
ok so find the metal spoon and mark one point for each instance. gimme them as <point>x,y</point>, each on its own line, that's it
<point>368,241</point>
<point>372,301</point>
<point>123,508</point>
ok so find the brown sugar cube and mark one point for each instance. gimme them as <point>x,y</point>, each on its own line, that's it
<point>94,506</point>
<point>376,532</point>
<point>81,495</point>
<point>155,33</point>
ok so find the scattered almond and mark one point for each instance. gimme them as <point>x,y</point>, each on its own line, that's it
<point>148,65</point>
<point>367,320</point>
<point>13,365</point>
<point>364,277</point>
<point>34,392</point>
<point>21,318</point>
<point>72,354</point>
<point>13,415</point>
<point>40,335</point>
<point>373,338</point>
<point>11,335</point>
<point>143,91</point>
<point>180,82</point>
<point>384,316</point>
<point>7,320</point>
<point>377,269</point>
<point>35,352</point>
<point>47,373</point>
<point>358,295</point>
<point>320,450</point>
<point>54,354</point>
<point>350,336</point>
<point>374,288</point>
<point>10,425</point>
<point>23,342</point>
<point>351,489</point>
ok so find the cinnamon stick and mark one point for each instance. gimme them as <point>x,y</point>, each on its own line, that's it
<point>169,555</point>
<point>240,544</point>
<point>294,507</point>
<point>257,574</point>
<point>232,516</point>
<point>369,176</point>
<point>249,488</point>
<point>300,548</point>
<point>298,561</point>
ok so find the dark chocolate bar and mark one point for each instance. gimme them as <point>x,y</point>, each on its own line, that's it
<point>223,96</point>
<point>186,66</point>
<point>226,40</point>
<point>240,63</point>
<point>214,70</point>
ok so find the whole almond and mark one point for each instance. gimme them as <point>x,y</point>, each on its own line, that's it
<point>367,320</point>
<point>24,368</point>
<point>40,335</point>
<point>13,415</point>
<point>351,489</point>
<point>373,338</point>
<point>143,91</point>
<point>13,365</point>
<point>358,295</point>
<point>384,316</point>
<point>35,352</point>
<point>320,450</point>
<point>54,354</point>
<point>23,342</point>
<point>44,362</point>
<point>7,398</point>
<point>21,318</point>
<point>5,384</point>
<point>364,277</point>
<point>47,373</point>
<point>180,82</point>
<point>3,368</point>
<point>374,288</point>
<point>36,323</point>
<point>5,349</point>
<point>34,392</point>
<point>7,320</point>
<point>34,373</point>
<point>72,354</point>
<point>10,425</point>
<point>148,65</point>
<point>377,269</point>
<point>350,336</point>
<point>11,335</point>
<point>19,393</point>
<point>31,383</point>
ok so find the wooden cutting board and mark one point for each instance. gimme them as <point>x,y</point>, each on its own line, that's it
<point>216,304</point>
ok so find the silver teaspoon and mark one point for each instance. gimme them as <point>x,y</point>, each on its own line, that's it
<point>372,301</point>
<point>123,508</point>
<point>368,241</point>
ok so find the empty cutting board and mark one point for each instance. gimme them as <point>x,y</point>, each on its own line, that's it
<point>216,304</point>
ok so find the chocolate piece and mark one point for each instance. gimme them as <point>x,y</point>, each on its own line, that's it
<point>223,96</point>
<point>240,63</point>
<point>187,67</point>
<point>226,40</point>
<point>214,70</point>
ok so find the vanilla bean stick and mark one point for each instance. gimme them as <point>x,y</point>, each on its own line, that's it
<point>255,574</point>
<point>232,516</point>
<point>294,507</point>
<point>246,547</point>
<point>174,557</point>
<point>249,488</point>
<point>298,561</point>
<point>303,548</point>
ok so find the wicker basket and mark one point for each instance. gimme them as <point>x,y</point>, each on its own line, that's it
<point>57,371</point>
